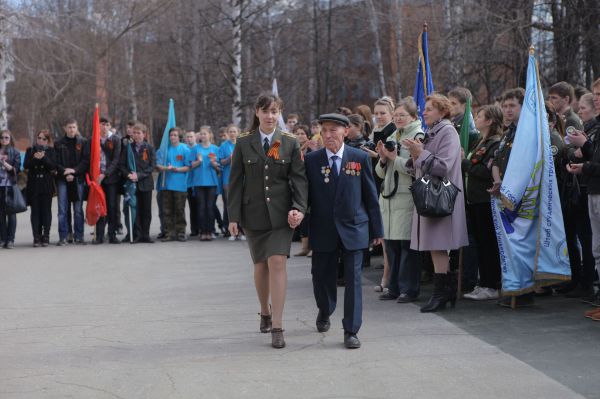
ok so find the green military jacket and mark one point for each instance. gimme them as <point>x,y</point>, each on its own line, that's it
<point>263,189</point>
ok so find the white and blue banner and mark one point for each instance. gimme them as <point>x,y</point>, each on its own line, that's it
<point>280,120</point>
<point>528,217</point>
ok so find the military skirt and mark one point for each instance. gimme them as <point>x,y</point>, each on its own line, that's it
<point>266,243</point>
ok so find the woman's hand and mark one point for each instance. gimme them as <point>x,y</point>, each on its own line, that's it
<point>295,218</point>
<point>495,189</point>
<point>371,153</point>
<point>233,229</point>
<point>379,149</point>
<point>415,147</point>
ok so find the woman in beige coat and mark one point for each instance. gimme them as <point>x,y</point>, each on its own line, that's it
<point>397,205</point>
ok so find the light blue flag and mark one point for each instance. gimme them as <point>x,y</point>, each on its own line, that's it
<point>424,82</point>
<point>528,218</point>
<point>161,154</point>
<point>280,121</point>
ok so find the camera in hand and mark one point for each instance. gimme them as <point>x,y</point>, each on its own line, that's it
<point>391,146</point>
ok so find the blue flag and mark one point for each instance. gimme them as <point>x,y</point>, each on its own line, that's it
<point>129,192</point>
<point>161,154</point>
<point>424,82</point>
<point>528,217</point>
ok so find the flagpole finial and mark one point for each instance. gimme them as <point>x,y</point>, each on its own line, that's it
<point>531,50</point>
<point>424,26</point>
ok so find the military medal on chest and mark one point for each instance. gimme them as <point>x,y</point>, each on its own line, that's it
<point>353,168</point>
<point>325,171</point>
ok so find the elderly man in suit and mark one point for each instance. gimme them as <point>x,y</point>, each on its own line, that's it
<point>344,216</point>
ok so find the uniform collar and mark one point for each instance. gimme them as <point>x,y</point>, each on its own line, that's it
<point>340,152</point>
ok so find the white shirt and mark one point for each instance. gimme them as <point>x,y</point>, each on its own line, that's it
<point>264,136</point>
<point>338,161</point>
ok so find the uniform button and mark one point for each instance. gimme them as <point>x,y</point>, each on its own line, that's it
<point>266,166</point>
<point>267,188</point>
<point>268,199</point>
<point>266,177</point>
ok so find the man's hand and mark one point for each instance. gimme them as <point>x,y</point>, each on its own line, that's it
<point>100,178</point>
<point>575,168</point>
<point>295,218</point>
<point>69,171</point>
<point>133,177</point>
<point>233,229</point>
<point>377,241</point>
<point>69,178</point>
<point>577,138</point>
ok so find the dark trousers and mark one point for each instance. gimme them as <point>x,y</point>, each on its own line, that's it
<point>482,224</point>
<point>206,208</point>
<point>161,216</point>
<point>111,192</point>
<point>578,227</point>
<point>324,275</point>
<point>173,203</point>
<point>41,215</point>
<point>225,214</point>
<point>143,216</point>
<point>192,197</point>
<point>8,222</point>
<point>405,267</point>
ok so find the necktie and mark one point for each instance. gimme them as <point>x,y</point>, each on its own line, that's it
<point>266,145</point>
<point>334,167</point>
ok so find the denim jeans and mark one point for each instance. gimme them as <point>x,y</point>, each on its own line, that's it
<point>63,208</point>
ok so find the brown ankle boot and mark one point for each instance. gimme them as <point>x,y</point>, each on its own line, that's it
<point>277,338</point>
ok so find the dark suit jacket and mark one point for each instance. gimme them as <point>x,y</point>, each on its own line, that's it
<point>145,161</point>
<point>112,152</point>
<point>262,190</point>
<point>80,163</point>
<point>347,211</point>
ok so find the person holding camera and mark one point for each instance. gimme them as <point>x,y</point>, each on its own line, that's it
<point>397,205</point>
<point>40,163</point>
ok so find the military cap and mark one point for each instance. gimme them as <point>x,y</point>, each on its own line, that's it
<point>335,118</point>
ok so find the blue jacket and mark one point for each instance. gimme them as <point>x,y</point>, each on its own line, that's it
<point>347,211</point>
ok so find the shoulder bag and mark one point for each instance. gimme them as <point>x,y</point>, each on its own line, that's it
<point>433,196</point>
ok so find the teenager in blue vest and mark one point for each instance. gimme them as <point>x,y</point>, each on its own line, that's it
<point>190,140</point>
<point>175,168</point>
<point>205,166</point>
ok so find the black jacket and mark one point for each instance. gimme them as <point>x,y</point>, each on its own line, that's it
<point>145,161</point>
<point>40,172</point>
<point>112,152</point>
<point>591,154</point>
<point>479,175</point>
<point>72,153</point>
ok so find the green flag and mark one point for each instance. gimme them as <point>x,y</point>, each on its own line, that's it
<point>464,129</point>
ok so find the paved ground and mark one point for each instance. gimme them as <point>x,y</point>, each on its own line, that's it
<point>179,320</point>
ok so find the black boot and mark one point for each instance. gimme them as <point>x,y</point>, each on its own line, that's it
<point>440,294</point>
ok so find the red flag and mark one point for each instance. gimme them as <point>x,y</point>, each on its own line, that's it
<point>96,202</point>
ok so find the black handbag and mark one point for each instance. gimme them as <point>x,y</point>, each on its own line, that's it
<point>433,196</point>
<point>15,202</point>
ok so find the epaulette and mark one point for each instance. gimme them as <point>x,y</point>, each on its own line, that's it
<point>245,134</point>
<point>284,133</point>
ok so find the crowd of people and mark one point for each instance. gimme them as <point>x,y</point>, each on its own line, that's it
<point>197,167</point>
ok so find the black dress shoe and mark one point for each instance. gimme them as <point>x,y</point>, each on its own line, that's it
<point>113,240</point>
<point>405,298</point>
<point>323,322</point>
<point>147,240</point>
<point>351,341</point>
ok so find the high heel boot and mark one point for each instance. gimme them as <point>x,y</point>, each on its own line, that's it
<point>440,294</point>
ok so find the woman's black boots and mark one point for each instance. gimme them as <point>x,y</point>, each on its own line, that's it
<point>440,294</point>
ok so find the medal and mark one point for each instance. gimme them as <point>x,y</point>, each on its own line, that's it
<point>326,180</point>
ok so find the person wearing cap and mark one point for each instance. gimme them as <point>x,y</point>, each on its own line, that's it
<point>268,197</point>
<point>344,214</point>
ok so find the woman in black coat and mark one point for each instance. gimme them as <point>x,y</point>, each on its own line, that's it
<point>40,163</point>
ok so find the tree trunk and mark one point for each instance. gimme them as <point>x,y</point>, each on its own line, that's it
<point>236,62</point>
<point>314,83</point>
<point>398,36</point>
<point>374,22</point>
<point>328,52</point>
<point>131,91</point>
<point>194,62</point>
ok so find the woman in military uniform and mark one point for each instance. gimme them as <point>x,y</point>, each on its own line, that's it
<point>268,194</point>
